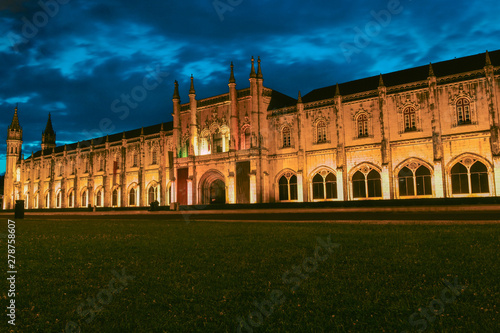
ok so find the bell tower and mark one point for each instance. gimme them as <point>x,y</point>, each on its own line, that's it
<point>14,146</point>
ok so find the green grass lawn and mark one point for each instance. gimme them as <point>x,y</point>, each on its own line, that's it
<point>202,277</point>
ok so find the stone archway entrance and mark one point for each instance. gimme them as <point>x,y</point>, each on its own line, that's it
<point>213,188</point>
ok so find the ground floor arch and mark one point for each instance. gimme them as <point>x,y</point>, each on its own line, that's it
<point>212,188</point>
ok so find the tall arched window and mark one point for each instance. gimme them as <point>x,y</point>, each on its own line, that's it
<point>132,197</point>
<point>47,200</point>
<point>288,187</point>
<point>98,198</point>
<point>114,199</point>
<point>35,200</point>
<point>245,142</point>
<point>468,180</point>
<point>409,119</point>
<point>58,199</point>
<point>135,159</point>
<point>153,194</point>
<point>71,202</point>
<point>324,186</point>
<point>321,131</point>
<point>84,199</point>
<point>366,185</point>
<point>154,157</point>
<point>217,142</point>
<point>362,123</point>
<point>416,182</point>
<point>286,136</point>
<point>463,111</point>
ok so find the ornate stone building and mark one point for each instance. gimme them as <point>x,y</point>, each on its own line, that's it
<point>425,132</point>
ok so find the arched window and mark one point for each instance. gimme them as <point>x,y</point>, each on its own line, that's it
<point>367,185</point>
<point>416,182</point>
<point>321,131</point>
<point>245,142</point>
<point>288,187</point>
<point>47,200</point>
<point>58,199</point>
<point>324,186</point>
<point>135,159</point>
<point>131,197</point>
<point>362,123</point>
<point>101,164</point>
<point>114,200</point>
<point>409,119</point>
<point>71,202</point>
<point>217,142</point>
<point>153,194</point>
<point>467,180</point>
<point>84,199</point>
<point>35,200</point>
<point>98,198</point>
<point>286,136</point>
<point>463,111</point>
<point>154,157</point>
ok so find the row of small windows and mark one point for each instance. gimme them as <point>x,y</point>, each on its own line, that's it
<point>153,195</point>
<point>418,182</point>
<point>409,122</point>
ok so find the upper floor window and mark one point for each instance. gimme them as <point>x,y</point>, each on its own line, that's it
<point>217,142</point>
<point>101,164</point>
<point>321,131</point>
<point>154,157</point>
<point>463,111</point>
<point>246,138</point>
<point>286,134</point>
<point>409,119</point>
<point>135,159</point>
<point>362,123</point>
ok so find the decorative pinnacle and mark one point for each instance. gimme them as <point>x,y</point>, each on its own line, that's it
<point>123,136</point>
<point>107,138</point>
<point>299,99</point>
<point>191,89</point>
<point>161,127</point>
<point>252,71</point>
<point>259,71</point>
<point>14,125</point>
<point>176,90</point>
<point>488,60</point>
<point>381,81</point>
<point>231,77</point>
<point>142,130</point>
<point>431,70</point>
<point>337,90</point>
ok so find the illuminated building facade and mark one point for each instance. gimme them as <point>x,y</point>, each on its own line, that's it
<point>426,132</point>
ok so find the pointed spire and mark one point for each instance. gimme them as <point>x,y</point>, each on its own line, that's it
<point>14,125</point>
<point>176,91</point>
<point>299,99</point>
<point>161,127</point>
<point>337,90</point>
<point>48,128</point>
<point>381,81</point>
<point>107,138</point>
<point>123,136</point>
<point>252,71</point>
<point>231,77</point>
<point>191,89</point>
<point>431,70</point>
<point>488,60</point>
<point>259,71</point>
<point>65,147</point>
<point>142,130</point>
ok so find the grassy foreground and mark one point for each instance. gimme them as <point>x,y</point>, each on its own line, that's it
<point>149,275</point>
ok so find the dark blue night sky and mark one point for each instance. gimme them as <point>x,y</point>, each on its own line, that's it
<point>80,59</point>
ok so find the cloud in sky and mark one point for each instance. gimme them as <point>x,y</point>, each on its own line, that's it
<point>83,55</point>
